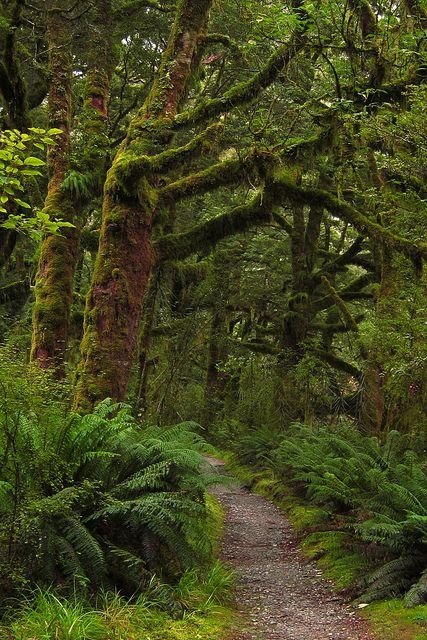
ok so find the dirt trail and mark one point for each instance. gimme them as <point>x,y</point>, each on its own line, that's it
<point>280,594</point>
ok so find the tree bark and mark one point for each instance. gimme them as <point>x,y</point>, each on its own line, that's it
<point>126,258</point>
<point>53,291</point>
<point>59,253</point>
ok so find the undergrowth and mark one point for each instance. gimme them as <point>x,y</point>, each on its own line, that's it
<point>106,527</point>
<point>360,504</point>
<point>196,608</point>
<point>97,501</point>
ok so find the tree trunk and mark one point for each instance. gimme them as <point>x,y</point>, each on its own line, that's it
<point>125,258</point>
<point>53,292</point>
<point>59,254</point>
<point>149,308</point>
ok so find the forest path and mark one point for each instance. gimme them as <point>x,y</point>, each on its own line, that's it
<point>279,593</point>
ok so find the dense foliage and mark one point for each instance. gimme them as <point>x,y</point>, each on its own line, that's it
<point>212,212</point>
<point>96,500</point>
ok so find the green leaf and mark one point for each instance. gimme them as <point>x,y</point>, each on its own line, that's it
<point>23,204</point>
<point>64,224</point>
<point>30,172</point>
<point>34,162</point>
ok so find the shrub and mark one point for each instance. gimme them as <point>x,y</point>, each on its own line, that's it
<point>381,488</point>
<point>97,500</point>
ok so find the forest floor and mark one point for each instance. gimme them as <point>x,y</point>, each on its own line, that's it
<point>280,595</point>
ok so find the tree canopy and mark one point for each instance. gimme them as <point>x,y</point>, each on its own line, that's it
<point>229,224</point>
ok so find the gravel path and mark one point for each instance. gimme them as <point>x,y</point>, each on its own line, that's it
<point>280,594</point>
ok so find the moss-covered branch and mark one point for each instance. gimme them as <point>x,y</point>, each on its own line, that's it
<point>392,92</point>
<point>205,236</point>
<point>349,321</point>
<point>189,273</point>
<point>284,188</point>
<point>358,284</point>
<point>247,91</point>
<point>282,222</point>
<point>215,176</point>
<point>332,328</point>
<point>259,347</point>
<point>353,291</point>
<point>338,363</point>
<point>131,167</point>
<point>226,41</point>
<point>345,258</point>
<point>299,147</point>
<point>248,167</point>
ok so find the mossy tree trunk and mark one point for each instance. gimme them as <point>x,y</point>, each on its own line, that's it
<point>59,253</point>
<point>304,235</point>
<point>216,377</point>
<point>126,258</point>
<point>147,324</point>
<point>54,280</point>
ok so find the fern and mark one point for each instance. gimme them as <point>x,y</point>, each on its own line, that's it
<point>99,497</point>
<point>78,184</point>
<point>379,487</point>
<point>417,594</point>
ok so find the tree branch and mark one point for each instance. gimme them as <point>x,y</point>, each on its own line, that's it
<point>205,236</point>
<point>218,175</point>
<point>282,187</point>
<point>245,91</point>
<point>131,168</point>
<point>338,363</point>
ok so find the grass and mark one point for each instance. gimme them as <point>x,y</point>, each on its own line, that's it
<point>197,608</point>
<point>391,620</point>
<point>332,551</point>
<point>52,618</point>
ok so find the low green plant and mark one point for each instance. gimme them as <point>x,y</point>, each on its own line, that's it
<point>97,500</point>
<point>50,617</point>
<point>379,490</point>
<point>194,608</point>
<point>392,620</point>
<point>201,591</point>
<point>256,445</point>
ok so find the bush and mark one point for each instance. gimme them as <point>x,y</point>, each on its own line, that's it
<point>380,489</point>
<point>95,500</point>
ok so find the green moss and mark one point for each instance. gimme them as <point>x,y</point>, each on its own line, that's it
<point>393,621</point>
<point>305,517</point>
<point>339,563</point>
